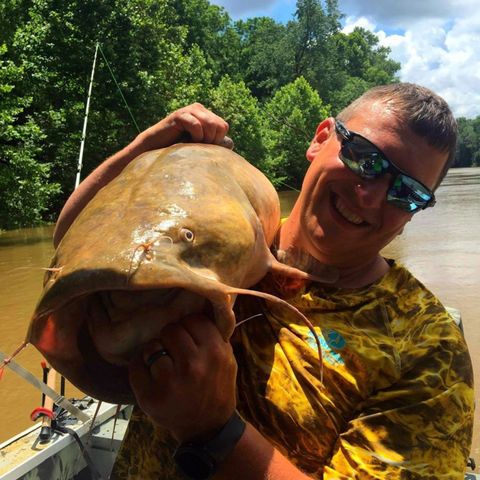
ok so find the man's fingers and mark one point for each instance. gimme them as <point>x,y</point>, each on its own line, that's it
<point>187,122</point>
<point>206,335</point>
<point>180,346</point>
<point>202,125</point>
<point>221,130</point>
<point>227,142</point>
<point>201,328</point>
<point>214,128</point>
<point>140,377</point>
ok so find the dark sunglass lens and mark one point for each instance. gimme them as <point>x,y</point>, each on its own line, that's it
<point>403,204</point>
<point>349,158</point>
<point>408,194</point>
<point>363,159</point>
<point>371,164</point>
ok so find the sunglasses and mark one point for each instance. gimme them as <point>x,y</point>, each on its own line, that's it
<point>365,159</point>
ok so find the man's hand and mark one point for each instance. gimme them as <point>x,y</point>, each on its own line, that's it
<point>202,125</point>
<point>190,391</point>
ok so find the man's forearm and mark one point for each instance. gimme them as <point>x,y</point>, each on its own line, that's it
<point>256,459</point>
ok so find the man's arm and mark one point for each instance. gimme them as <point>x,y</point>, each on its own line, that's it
<point>202,126</point>
<point>255,458</point>
<point>419,426</point>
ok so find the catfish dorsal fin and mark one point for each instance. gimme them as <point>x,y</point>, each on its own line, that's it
<point>294,310</point>
<point>324,273</point>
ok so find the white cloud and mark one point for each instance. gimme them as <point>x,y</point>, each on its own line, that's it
<point>440,54</point>
<point>363,22</point>
<point>404,13</point>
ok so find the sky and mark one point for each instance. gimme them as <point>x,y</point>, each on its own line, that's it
<point>437,42</point>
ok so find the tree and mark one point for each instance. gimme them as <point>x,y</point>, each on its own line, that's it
<point>209,27</point>
<point>25,190</point>
<point>308,33</point>
<point>235,103</point>
<point>266,58</point>
<point>146,52</point>
<point>290,120</point>
<point>359,63</point>
<point>12,14</point>
<point>311,39</point>
<point>164,55</point>
<point>468,145</point>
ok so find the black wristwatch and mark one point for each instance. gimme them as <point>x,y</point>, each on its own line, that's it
<point>200,461</point>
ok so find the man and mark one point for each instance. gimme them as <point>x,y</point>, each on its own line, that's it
<point>396,397</point>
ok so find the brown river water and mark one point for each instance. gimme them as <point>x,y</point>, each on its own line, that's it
<point>441,247</point>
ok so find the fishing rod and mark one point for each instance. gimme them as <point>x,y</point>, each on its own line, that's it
<point>98,47</point>
<point>85,120</point>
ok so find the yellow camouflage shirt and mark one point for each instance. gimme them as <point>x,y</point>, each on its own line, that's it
<point>396,401</point>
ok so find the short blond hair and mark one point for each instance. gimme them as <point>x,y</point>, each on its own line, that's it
<point>423,111</point>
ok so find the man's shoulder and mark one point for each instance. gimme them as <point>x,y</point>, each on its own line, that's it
<point>407,297</point>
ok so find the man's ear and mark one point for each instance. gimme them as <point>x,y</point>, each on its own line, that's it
<point>322,133</point>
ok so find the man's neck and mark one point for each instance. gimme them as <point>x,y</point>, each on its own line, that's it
<point>363,275</point>
<point>355,275</point>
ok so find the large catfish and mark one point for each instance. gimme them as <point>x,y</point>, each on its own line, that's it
<point>182,229</point>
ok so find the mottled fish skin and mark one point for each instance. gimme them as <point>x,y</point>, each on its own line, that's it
<point>192,216</point>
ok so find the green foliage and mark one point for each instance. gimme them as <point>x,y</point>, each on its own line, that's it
<point>265,55</point>
<point>359,64</point>
<point>209,27</point>
<point>25,190</point>
<point>148,55</point>
<point>308,35</point>
<point>468,145</point>
<point>234,102</point>
<point>290,120</point>
<point>337,65</point>
<point>270,81</point>
<point>190,79</point>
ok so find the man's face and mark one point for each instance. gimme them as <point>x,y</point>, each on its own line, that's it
<point>345,219</point>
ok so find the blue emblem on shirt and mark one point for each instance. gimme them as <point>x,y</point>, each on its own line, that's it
<point>333,341</point>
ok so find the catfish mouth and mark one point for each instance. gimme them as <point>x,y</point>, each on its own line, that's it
<point>120,322</point>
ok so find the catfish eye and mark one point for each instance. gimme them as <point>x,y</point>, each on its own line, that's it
<point>187,235</point>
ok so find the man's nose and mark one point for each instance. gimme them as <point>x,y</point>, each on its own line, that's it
<point>372,193</point>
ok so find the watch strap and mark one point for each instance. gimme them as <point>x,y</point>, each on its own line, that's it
<point>226,439</point>
<point>210,454</point>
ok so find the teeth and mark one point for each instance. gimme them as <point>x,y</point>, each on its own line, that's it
<point>347,214</point>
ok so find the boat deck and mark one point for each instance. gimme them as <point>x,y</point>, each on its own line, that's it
<point>25,456</point>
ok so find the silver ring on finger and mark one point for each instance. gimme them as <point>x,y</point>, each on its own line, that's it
<point>156,356</point>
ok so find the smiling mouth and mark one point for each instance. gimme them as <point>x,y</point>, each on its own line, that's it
<point>347,214</point>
